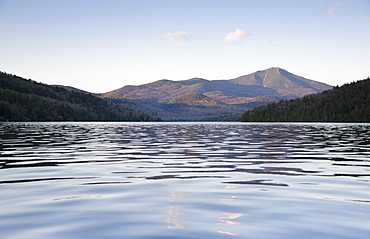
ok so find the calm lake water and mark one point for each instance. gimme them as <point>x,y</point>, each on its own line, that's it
<point>184,180</point>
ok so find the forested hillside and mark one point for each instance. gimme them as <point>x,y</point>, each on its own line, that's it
<point>183,111</point>
<point>27,100</point>
<point>195,99</point>
<point>348,103</point>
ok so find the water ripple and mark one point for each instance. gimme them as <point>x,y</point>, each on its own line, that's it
<point>184,180</point>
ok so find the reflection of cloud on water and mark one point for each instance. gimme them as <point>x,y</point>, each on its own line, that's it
<point>230,216</point>
<point>230,200</point>
<point>228,233</point>
<point>179,197</point>
<point>176,217</point>
<point>229,219</point>
<point>231,187</point>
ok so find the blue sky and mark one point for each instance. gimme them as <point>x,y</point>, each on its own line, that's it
<point>99,46</point>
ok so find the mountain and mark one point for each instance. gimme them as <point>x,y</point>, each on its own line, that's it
<point>195,99</point>
<point>27,100</point>
<point>228,97</point>
<point>348,103</point>
<point>286,84</point>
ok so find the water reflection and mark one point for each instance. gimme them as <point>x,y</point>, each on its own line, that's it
<point>177,215</point>
<point>207,179</point>
<point>260,182</point>
<point>228,233</point>
<point>228,219</point>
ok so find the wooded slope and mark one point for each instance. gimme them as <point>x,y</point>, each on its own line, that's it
<point>27,100</point>
<point>348,103</point>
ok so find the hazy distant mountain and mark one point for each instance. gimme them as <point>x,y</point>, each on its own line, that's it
<point>221,97</point>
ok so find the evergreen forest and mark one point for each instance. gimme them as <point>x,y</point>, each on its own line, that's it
<point>348,103</point>
<point>27,100</point>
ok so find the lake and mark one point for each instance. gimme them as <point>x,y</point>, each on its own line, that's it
<point>184,180</point>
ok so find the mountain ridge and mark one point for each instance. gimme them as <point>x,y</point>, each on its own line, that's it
<point>195,99</point>
<point>237,94</point>
<point>272,81</point>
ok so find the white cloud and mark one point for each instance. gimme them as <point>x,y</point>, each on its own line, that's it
<point>334,8</point>
<point>234,36</point>
<point>184,36</point>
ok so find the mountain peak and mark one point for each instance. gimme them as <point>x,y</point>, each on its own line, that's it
<point>170,98</point>
<point>283,82</point>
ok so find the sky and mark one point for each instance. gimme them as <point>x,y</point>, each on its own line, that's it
<point>99,46</point>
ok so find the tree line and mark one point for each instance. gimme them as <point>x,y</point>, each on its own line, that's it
<point>348,103</point>
<point>27,100</point>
